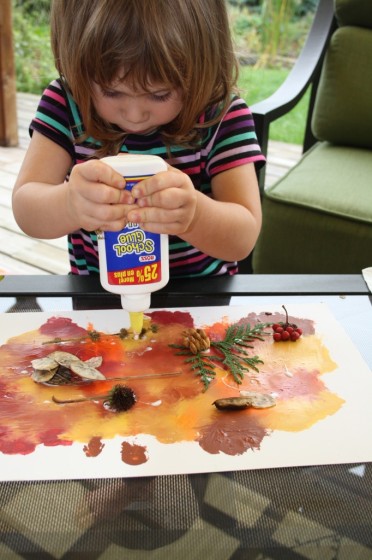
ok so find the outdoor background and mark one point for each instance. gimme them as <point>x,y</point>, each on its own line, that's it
<point>268,36</point>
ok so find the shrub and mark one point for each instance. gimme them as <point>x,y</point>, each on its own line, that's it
<point>33,57</point>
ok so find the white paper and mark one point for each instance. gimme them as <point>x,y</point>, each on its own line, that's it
<point>367,275</point>
<point>340,437</point>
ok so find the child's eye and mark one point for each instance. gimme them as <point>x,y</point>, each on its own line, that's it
<point>161,96</point>
<point>110,93</point>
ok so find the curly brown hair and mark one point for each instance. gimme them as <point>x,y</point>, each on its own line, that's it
<point>184,44</point>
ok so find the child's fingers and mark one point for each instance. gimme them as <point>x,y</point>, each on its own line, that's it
<point>167,189</point>
<point>99,183</point>
<point>168,199</point>
<point>159,182</point>
<point>101,194</point>
<point>106,217</point>
<point>145,215</point>
<point>96,171</point>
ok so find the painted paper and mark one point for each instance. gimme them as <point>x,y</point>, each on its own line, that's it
<point>320,384</point>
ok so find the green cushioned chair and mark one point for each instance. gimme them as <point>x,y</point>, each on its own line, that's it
<point>318,218</point>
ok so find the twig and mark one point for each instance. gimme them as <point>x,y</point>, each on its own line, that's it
<point>140,376</point>
<point>101,397</point>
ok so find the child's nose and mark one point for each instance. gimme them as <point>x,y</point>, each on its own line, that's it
<point>134,111</point>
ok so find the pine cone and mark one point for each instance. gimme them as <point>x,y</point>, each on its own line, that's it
<point>196,340</point>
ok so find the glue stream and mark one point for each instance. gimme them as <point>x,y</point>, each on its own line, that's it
<point>133,262</point>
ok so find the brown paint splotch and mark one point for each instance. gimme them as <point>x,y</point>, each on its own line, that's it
<point>232,433</point>
<point>133,454</point>
<point>94,447</point>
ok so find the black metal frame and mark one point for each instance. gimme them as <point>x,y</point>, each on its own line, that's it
<point>238,285</point>
<point>304,74</point>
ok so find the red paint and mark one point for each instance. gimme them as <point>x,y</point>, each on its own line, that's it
<point>50,438</point>
<point>62,327</point>
<point>172,317</point>
<point>17,447</point>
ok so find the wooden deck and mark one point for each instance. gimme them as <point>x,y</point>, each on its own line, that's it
<point>20,254</point>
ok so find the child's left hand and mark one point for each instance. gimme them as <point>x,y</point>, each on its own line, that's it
<point>166,203</point>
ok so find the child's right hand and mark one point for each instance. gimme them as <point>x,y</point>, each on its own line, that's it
<point>46,206</point>
<point>96,197</point>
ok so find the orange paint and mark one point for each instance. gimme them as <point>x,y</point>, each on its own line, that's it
<point>172,409</point>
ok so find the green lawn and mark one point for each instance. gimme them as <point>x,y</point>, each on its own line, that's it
<point>256,84</point>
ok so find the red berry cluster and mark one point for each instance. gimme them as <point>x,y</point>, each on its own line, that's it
<point>285,330</point>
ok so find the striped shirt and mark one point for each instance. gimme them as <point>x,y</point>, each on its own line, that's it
<point>227,144</point>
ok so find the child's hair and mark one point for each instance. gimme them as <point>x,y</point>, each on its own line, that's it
<point>183,44</point>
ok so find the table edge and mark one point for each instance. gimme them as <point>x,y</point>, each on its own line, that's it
<point>238,285</point>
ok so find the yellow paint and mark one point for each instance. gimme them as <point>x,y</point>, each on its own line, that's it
<point>300,413</point>
<point>308,352</point>
<point>136,321</point>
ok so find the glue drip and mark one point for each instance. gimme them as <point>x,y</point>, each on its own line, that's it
<point>136,322</point>
<point>136,305</point>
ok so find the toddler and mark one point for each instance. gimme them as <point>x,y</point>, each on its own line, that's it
<point>143,77</point>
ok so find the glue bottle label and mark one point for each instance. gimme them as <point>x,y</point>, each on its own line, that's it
<point>133,256</point>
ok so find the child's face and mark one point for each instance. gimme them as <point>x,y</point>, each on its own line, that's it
<point>134,110</point>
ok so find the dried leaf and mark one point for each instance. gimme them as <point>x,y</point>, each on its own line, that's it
<point>86,371</point>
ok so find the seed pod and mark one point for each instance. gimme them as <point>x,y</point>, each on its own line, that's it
<point>86,371</point>
<point>232,403</point>
<point>196,340</point>
<point>64,358</point>
<point>121,398</point>
<point>193,347</point>
<point>56,367</point>
<point>44,364</point>
<point>259,400</point>
<point>43,375</point>
<point>247,399</point>
<point>62,376</point>
<point>95,362</point>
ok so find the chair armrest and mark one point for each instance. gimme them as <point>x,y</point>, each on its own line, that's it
<point>305,72</point>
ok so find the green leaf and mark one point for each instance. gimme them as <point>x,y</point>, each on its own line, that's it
<point>231,352</point>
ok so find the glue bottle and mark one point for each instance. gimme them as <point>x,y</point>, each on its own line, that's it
<point>134,262</point>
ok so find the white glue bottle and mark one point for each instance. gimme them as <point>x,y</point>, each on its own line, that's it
<point>134,262</point>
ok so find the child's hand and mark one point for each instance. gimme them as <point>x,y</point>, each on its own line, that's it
<point>96,197</point>
<point>166,203</point>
